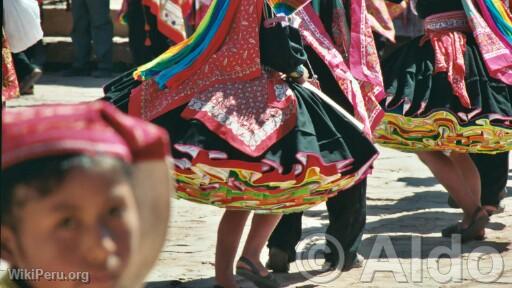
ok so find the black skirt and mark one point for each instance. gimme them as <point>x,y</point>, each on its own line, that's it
<point>423,114</point>
<point>324,154</point>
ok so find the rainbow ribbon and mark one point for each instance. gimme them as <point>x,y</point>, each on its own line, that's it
<point>287,7</point>
<point>502,16</point>
<point>499,19</point>
<point>181,56</point>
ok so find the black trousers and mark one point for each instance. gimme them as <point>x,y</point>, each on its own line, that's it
<point>494,174</point>
<point>138,15</point>
<point>347,218</point>
<point>92,23</point>
<point>22,65</point>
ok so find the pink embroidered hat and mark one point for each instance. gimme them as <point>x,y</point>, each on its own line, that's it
<point>92,128</point>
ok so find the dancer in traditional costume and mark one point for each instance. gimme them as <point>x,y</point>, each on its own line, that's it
<point>327,30</point>
<point>246,137</point>
<point>449,91</point>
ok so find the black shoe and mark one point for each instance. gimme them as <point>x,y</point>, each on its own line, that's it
<point>356,263</point>
<point>496,209</point>
<point>76,72</point>
<point>101,73</point>
<point>27,84</point>
<point>278,261</point>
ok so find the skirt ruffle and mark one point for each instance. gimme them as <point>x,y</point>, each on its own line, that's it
<point>422,114</point>
<point>323,155</point>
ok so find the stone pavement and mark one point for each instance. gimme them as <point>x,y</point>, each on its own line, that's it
<point>405,206</point>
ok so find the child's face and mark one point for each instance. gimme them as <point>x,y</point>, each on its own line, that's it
<point>86,225</point>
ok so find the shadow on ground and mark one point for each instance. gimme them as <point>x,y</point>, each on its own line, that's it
<point>419,182</point>
<point>403,246</point>
<point>84,82</point>
<point>285,279</point>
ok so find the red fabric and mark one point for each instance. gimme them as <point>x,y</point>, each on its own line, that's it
<point>365,93</point>
<point>227,91</point>
<point>158,9</point>
<point>91,128</point>
<point>250,115</point>
<point>268,175</point>
<point>200,11</point>
<point>213,56</point>
<point>10,86</point>
<point>446,33</point>
<point>233,56</point>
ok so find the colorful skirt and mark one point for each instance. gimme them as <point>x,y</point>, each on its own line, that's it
<point>423,114</point>
<point>325,153</point>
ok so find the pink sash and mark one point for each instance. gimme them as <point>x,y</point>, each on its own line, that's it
<point>446,34</point>
<point>497,57</point>
<point>365,95</point>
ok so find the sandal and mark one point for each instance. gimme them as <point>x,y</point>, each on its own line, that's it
<point>452,229</point>
<point>472,232</point>
<point>253,275</point>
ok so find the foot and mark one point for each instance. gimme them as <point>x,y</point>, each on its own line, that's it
<point>254,271</point>
<point>29,81</point>
<point>475,230</point>
<point>278,261</point>
<point>493,210</point>
<point>262,271</point>
<point>29,91</point>
<point>496,209</point>
<point>503,194</point>
<point>101,73</point>
<point>356,263</point>
<point>76,72</point>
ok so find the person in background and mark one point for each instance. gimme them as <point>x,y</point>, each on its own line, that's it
<point>22,27</point>
<point>154,26</point>
<point>92,26</point>
<point>26,72</point>
<point>146,41</point>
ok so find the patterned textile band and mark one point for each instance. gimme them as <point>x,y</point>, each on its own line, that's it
<point>360,78</point>
<point>441,131</point>
<point>211,178</point>
<point>9,81</point>
<point>446,32</point>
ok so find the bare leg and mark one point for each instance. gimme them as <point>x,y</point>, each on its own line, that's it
<point>261,227</point>
<point>229,233</point>
<point>469,173</point>
<point>448,172</point>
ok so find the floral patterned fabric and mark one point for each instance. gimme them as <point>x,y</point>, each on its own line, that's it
<point>10,88</point>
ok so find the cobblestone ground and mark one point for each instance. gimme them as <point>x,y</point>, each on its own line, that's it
<point>406,207</point>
